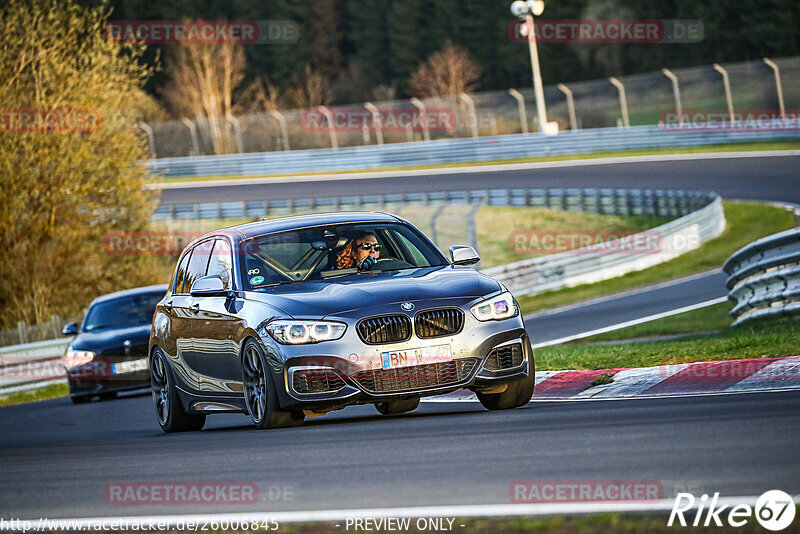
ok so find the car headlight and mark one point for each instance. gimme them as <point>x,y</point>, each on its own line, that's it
<point>301,332</point>
<point>500,307</point>
<point>76,358</point>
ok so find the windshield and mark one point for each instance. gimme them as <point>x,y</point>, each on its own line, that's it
<point>123,312</point>
<point>325,252</point>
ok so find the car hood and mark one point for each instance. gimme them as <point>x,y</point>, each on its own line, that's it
<point>348,293</point>
<point>113,337</point>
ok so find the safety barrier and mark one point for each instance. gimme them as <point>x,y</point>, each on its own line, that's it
<point>593,264</point>
<point>764,277</point>
<point>32,365</point>
<point>464,150</point>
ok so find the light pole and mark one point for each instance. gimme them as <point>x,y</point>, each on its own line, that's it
<point>526,10</point>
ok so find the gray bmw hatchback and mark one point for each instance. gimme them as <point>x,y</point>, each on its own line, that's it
<point>294,317</point>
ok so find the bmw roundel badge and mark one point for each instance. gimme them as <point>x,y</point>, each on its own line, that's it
<point>407,306</point>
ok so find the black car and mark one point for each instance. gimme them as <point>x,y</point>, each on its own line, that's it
<point>295,317</point>
<point>109,353</point>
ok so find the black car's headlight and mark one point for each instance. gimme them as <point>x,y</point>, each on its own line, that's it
<point>500,307</point>
<point>76,358</point>
<point>302,332</point>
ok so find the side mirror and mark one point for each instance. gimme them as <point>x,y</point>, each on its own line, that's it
<point>70,330</point>
<point>463,255</point>
<point>209,286</point>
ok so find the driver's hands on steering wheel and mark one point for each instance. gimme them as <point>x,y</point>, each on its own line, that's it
<point>367,264</point>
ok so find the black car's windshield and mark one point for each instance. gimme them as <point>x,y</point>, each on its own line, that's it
<point>323,252</point>
<point>122,312</point>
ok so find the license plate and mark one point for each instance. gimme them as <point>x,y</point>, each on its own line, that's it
<point>411,357</point>
<point>132,366</point>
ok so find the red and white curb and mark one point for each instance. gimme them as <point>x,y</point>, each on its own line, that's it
<point>727,376</point>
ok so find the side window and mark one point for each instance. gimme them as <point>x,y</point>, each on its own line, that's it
<point>197,264</point>
<point>180,274</point>
<point>220,262</point>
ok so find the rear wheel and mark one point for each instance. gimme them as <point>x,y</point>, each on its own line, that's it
<point>395,407</point>
<point>169,411</point>
<point>517,394</point>
<point>259,392</point>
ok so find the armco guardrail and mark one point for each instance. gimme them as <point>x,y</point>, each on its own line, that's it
<point>463,150</point>
<point>764,277</point>
<point>588,265</point>
<point>32,365</point>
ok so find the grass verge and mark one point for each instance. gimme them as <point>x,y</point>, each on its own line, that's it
<point>747,221</point>
<point>771,338</point>
<point>727,147</point>
<point>703,320</point>
<point>48,392</point>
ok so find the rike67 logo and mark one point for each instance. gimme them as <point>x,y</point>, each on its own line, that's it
<point>774,510</point>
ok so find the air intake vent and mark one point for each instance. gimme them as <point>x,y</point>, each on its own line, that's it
<point>384,329</point>
<point>440,322</point>
<point>417,377</point>
<point>316,381</point>
<point>504,357</point>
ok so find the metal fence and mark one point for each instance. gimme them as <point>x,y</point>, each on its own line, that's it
<point>452,151</point>
<point>764,277</point>
<point>592,104</point>
<point>699,217</point>
<point>26,333</point>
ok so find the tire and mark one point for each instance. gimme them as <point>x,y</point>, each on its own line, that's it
<point>169,410</point>
<point>259,392</point>
<point>80,399</point>
<point>396,407</point>
<point>517,394</point>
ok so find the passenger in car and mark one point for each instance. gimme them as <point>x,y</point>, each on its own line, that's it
<point>362,251</point>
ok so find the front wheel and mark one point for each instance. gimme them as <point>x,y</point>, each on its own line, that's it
<point>259,393</point>
<point>517,394</point>
<point>169,411</point>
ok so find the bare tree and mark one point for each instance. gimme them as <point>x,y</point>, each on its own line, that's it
<point>310,88</point>
<point>260,95</point>
<point>449,71</point>
<point>203,79</point>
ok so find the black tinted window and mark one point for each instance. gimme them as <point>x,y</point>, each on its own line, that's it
<point>197,264</point>
<point>123,312</point>
<point>220,262</point>
<point>181,273</point>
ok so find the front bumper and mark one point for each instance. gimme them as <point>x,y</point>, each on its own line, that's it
<point>352,373</point>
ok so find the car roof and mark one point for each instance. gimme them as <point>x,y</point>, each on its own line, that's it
<point>248,230</point>
<point>134,291</point>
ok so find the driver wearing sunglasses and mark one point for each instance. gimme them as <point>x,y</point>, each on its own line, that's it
<point>362,252</point>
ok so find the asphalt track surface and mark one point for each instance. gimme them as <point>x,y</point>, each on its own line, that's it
<point>759,178</point>
<point>56,458</point>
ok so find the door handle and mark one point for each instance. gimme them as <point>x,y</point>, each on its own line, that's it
<point>195,307</point>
